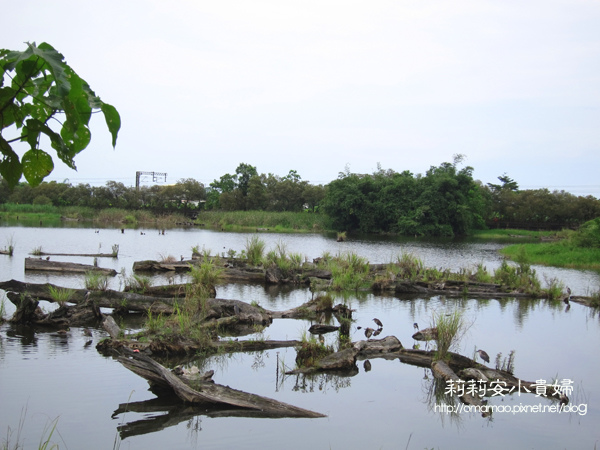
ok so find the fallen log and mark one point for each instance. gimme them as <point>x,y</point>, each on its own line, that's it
<point>28,312</point>
<point>441,370</point>
<point>67,267</point>
<point>217,308</point>
<point>208,392</point>
<point>87,255</point>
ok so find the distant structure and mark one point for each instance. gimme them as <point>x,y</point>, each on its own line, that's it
<point>156,176</point>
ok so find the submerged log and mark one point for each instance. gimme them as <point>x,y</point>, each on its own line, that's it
<point>208,392</point>
<point>68,267</point>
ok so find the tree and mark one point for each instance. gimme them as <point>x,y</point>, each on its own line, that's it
<point>43,91</point>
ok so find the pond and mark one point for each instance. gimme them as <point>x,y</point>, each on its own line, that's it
<point>45,376</point>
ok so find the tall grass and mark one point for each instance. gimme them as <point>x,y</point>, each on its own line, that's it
<point>95,281</point>
<point>450,330</point>
<point>348,272</point>
<point>273,220</point>
<point>254,250</point>
<point>60,295</point>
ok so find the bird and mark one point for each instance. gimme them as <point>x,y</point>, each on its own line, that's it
<point>368,332</point>
<point>377,331</point>
<point>416,326</point>
<point>483,355</point>
<point>378,322</point>
<point>566,299</point>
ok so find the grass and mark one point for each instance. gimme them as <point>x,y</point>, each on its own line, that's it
<point>138,283</point>
<point>37,251</point>
<point>60,295</point>
<point>450,330</point>
<point>10,246</point>
<point>95,281</point>
<point>311,351</point>
<point>44,444</point>
<point>254,250</point>
<point>510,233</point>
<point>557,254</point>
<point>275,221</point>
<point>349,272</point>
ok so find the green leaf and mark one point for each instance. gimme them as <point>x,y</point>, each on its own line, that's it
<point>37,165</point>
<point>10,166</point>
<point>113,121</point>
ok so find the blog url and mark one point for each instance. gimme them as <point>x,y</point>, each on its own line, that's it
<point>580,409</point>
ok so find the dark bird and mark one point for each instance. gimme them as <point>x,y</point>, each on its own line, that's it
<point>377,331</point>
<point>483,355</point>
<point>369,332</point>
<point>416,326</point>
<point>47,258</point>
<point>367,365</point>
<point>378,323</point>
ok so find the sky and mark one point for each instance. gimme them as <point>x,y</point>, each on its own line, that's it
<point>325,86</point>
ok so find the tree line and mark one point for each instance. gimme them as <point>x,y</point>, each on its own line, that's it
<point>445,201</point>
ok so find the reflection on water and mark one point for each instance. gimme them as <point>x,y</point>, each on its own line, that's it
<point>97,399</point>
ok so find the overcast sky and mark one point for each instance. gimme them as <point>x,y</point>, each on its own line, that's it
<point>318,86</point>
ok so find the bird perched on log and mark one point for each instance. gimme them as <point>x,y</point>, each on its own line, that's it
<point>568,297</point>
<point>483,355</point>
<point>378,323</point>
<point>369,332</point>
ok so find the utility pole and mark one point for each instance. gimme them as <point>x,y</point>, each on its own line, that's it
<point>155,177</point>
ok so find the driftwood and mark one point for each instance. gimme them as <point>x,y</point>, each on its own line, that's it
<point>68,267</point>
<point>217,308</point>
<point>321,328</point>
<point>28,312</point>
<point>87,255</point>
<point>160,378</point>
<point>441,370</point>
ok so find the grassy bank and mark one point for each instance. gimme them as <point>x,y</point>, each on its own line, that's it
<point>274,221</point>
<point>510,233</point>
<point>558,254</point>
<point>51,215</point>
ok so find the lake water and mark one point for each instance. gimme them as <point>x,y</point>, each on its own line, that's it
<point>45,376</point>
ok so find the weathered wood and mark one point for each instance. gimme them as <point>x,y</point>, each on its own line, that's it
<point>111,327</point>
<point>441,370</point>
<point>209,393</point>
<point>68,267</point>
<point>87,255</point>
<point>322,328</point>
<point>373,347</point>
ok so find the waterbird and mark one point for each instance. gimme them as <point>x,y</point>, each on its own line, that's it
<point>377,331</point>
<point>368,332</point>
<point>483,355</point>
<point>378,322</point>
<point>566,299</point>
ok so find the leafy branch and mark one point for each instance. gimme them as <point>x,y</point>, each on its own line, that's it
<point>41,85</point>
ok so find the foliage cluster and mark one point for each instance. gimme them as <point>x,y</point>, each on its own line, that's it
<point>444,202</point>
<point>38,89</point>
<point>450,329</point>
<point>311,351</point>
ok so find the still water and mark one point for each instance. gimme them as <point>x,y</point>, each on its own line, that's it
<point>45,376</point>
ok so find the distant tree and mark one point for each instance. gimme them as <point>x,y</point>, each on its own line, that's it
<point>42,91</point>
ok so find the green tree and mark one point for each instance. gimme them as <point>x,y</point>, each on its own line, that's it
<point>37,90</point>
